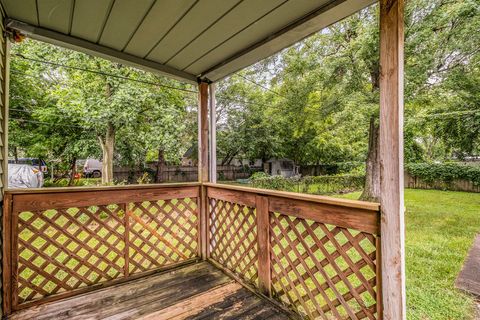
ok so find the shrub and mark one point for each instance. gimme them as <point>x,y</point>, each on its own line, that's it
<point>259,175</point>
<point>48,183</point>
<point>310,184</point>
<point>264,181</point>
<point>444,172</point>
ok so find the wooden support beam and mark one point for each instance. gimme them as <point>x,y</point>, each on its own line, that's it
<point>213,135</point>
<point>391,159</point>
<point>5,110</point>
<point>203,132</point>
<point>203,164</point>
<point>5,239</point>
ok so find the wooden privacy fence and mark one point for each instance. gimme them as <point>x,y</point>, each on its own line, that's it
<point>318,256</point>
<point>59,243</point>
<point>182,173</point>
<point>414,182</point>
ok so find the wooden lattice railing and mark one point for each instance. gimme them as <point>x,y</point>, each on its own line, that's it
<point>61,242</point>
<point>318,256</point>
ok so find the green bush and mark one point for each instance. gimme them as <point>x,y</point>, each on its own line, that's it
<point>444,172</point>
<point>259,175</point>
<point>314,185</point>
<point>264,181</point>
<point>76,183</point>
<point>340,183</point>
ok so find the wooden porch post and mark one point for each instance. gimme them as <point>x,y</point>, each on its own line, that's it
<point>391,159</point>
<point>4,102</point>
<point>203,132</point>
<point>4,97</point>
<point>213,136</point>
<point>203,163</point>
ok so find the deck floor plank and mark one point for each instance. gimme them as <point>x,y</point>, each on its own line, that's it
<point>241,305</point>
<point>197,291</point>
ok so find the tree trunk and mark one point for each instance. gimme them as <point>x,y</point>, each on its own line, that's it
<point>160,166</point>
<point>15,154</point>
<point>73,171</point>
<point>264,164</point>
<point>108,145</point>
<point>371,191</point>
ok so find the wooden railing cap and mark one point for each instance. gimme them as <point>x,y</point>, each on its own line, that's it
<point>372,206</point>
<point>101,188</point>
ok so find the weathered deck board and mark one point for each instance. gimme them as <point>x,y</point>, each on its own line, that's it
<point>197,291</point>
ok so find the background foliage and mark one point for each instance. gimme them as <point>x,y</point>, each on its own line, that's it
<point>342,183</point>
<point>312,102</point>
<point>445,172</point>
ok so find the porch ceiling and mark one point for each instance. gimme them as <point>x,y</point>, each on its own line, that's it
<point>187,39</point>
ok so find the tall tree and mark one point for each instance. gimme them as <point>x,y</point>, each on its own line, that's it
<point>100,98</point>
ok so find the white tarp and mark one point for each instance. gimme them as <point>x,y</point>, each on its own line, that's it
<point>24,176</point>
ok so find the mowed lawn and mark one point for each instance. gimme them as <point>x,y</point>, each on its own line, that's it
<point>440,229</point>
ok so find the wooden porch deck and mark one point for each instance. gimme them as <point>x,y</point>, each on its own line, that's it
<point>196,291</point>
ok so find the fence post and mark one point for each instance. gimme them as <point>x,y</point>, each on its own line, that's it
<point>263,238</point>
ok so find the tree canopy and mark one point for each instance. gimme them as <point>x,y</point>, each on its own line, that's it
<point>67,105</point>
<point>321,93</point>
<point>312,102</point>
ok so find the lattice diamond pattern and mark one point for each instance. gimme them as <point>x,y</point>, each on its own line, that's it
<point>162,232</point>
<point>323,271</point>
<point>233,238</point>
<point>60,250</point>
<point>65,249</point>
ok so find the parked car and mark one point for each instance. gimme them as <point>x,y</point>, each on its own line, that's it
<point>24,176</point>
<point>34,162</point>
<point>92,168</point>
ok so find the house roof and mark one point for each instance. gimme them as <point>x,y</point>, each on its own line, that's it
<point>189,153</point>
<point>184,39</point>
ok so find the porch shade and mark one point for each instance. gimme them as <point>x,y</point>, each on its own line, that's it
<point>184,39</point>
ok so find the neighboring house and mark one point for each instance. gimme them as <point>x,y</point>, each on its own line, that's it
<point>281,167</point>
<point>188,158</point>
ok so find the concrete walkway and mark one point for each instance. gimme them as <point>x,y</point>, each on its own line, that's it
<point>469,278</point>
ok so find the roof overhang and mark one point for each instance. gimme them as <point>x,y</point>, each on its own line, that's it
<point>186,40</point>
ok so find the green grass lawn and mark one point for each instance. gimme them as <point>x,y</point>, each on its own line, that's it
<point>440,228</point>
